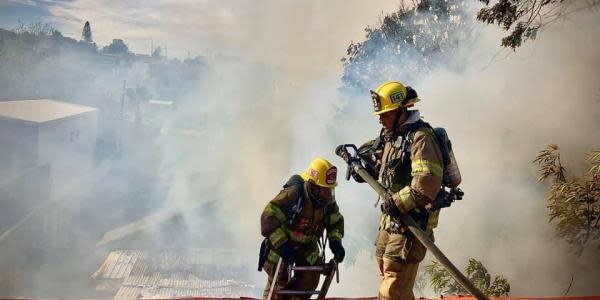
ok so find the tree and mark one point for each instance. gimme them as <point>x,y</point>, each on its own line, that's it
<point>574,203</point>
<point>37,29</point>
<point>116,47</point>
<point>86,35</point>
<point>138,96</point>
<point>443,283</point>
<point>157,52</point>
<point>525,18</point>
<point>406,43</point>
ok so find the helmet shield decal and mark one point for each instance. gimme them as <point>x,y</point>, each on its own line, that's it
<point>376,101</point>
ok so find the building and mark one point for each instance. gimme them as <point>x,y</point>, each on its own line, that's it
<point>46,132</point>
<point>134,274</point>
<point>46,149</point>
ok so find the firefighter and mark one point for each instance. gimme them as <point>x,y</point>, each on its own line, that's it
<point>407,160</point>
<point>296,218</point>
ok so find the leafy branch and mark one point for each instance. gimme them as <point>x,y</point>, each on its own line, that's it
<point>525,18</point>
<point>574,204</point>
<point>443,283</point>
<point>550,165</point>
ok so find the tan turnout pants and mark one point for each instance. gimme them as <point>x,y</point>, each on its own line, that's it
<point>398,259</point>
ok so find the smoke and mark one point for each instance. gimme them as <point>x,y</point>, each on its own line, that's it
<point>499,116</point>
<point>253,120</point>
<point>500,110</point>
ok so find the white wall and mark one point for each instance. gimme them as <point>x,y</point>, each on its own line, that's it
<point>67,145</point>
<point>18,147</point>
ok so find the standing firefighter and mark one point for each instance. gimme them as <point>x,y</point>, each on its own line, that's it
<point>407,160</point>
<point>295,219</point>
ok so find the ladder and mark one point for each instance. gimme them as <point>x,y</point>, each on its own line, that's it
<point>327,269</point>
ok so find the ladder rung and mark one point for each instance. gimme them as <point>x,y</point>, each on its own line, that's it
<point>296,293</point>
<point>308,268</point>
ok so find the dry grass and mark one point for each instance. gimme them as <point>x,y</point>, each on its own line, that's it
<point>574,203</point>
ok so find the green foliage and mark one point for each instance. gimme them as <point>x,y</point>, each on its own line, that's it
<point>406,43</point>
<point>523,19</point>
<point>86,34</point>
<point>37,61</point>
<point>574,203</point>
<point>36,29</point>
<point>594,160</point>
<point>117,46</point>
<point>157,52</point>
<point>443,283</point>
<point>441,280</point>
<point>499,287</point>
<point>420,283</point>
<point>550,165</point>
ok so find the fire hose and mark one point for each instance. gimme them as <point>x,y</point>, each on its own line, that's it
<point>355,165</point>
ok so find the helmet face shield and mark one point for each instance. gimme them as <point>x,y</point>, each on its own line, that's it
<point>321,196</point>
<point>331,176</point>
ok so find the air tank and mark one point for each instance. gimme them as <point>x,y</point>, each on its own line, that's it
<point>452,176</point>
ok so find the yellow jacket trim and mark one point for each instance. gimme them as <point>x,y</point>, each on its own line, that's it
<point>273,257</point>
<point>434,217</point>
<point>275,211</point>
<point>422,166</point>
<point>277,238</point>
<point>335,235</point>
<point>313,258</point>
<point>405,200</point>
<point>335,217</point>
<point>384,222</point>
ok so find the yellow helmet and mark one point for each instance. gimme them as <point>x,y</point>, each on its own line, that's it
<point>392,95</point>
<point>322,173</point>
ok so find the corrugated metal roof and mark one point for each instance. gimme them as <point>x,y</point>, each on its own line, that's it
<point>173,288</point>
<point>190,273</point>
<point>120,264</point>
<point>41,110</point>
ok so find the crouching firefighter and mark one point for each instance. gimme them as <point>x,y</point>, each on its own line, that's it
<point>294,221</point>
<point>408,161</point>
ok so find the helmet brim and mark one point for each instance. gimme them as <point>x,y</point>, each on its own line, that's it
<point>383,111</point>
<point>408,104</point>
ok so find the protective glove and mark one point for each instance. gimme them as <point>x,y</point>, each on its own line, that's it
<point>389,207</point>
<point>338,250</point>
<point>286,251</point>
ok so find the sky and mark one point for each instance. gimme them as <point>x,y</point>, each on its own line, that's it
<point>318,31</point>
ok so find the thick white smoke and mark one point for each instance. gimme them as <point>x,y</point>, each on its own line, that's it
<point>260,124</point>
<point>262,117</point>
<point>499,112</point>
